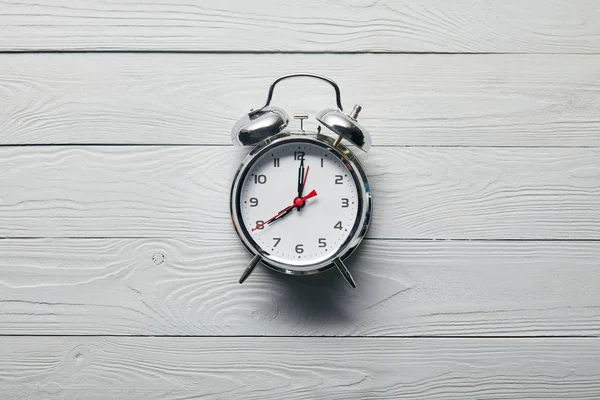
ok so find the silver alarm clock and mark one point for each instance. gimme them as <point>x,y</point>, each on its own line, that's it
<point>300,201</point>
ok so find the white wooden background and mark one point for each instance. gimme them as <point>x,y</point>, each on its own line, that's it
<point>480,276</point>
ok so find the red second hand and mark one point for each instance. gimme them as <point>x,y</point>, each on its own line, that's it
<point>305,176</point>
<point>308,196</point>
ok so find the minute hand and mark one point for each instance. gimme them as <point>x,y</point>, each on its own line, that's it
<point>301,177</point>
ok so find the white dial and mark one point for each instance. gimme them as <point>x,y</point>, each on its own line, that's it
<point>296,228</point>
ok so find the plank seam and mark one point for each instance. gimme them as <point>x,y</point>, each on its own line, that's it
<point>478,337</point>
<point>17,145</point>
<point>525,240</point>
<point>274,52</point>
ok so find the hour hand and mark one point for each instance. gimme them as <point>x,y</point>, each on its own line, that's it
<point>277,216</point>
<point>281,214</point>
<point>298,203</point>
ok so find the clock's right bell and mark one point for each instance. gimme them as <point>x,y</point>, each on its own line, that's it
<point>346,126</point>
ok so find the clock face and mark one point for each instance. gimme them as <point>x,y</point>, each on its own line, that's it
<point>299,203</point>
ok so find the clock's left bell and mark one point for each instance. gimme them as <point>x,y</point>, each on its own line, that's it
<point>259,125</point>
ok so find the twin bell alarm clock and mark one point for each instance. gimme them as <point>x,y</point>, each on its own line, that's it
<point>300,201</point>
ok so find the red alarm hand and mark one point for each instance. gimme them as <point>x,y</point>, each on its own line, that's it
<point>298,202</point>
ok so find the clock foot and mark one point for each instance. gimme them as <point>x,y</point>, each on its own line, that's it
<point>250,268</point>
<point>344,271</point>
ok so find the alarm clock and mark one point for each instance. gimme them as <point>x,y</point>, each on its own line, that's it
<point>300,201</point>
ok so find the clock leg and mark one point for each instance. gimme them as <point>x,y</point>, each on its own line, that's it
<point>250,268</point>
<point>344,271</point>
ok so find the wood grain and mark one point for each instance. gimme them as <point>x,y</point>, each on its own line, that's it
<point>425,193</point>
<point>530,26</point>
<point>405,288</point>
<point>478,100</point>
<point>293,368</point>
<point>486,177</point>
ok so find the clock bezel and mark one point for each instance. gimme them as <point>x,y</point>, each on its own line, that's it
<point>365,206</point>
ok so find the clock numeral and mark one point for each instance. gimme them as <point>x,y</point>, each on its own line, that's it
<point>276,162</point>
<point>262,179</point>
<point>321,162</point>
<point>322,242</point>
<point>259,224</point>
<point>298,155</point>
<point>277,240</point>
<point>345,202</point>
<point>338,225</point>
<point>339,180</point>
<point>299,248</point>
<point>253,202</point>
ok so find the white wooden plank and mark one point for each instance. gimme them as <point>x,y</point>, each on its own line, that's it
<point>292,368</point>
<point>530,26</point>
<point>405,288</point>
<point>457,193</point>
<point>480,100</point>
